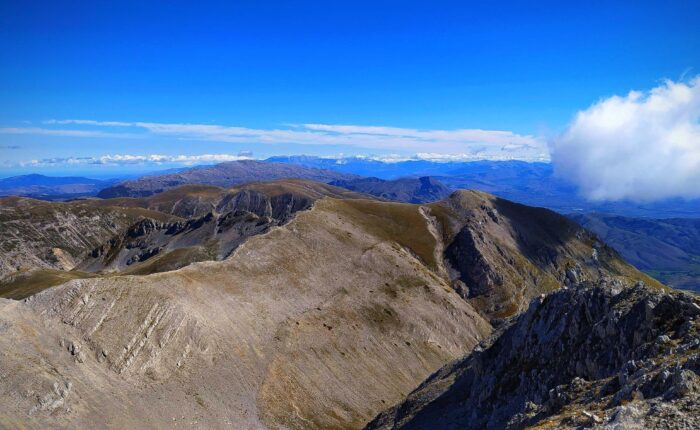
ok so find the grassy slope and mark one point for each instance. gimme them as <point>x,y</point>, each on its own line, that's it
<point>25,284</point>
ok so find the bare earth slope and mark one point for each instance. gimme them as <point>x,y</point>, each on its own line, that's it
<point>305,335</point>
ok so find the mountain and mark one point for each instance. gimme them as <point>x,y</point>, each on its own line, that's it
<point>668,249</point>
<point>49,241</point>
<point>530,183</point>
<point>50,187</point>
<point>322,321</point>
<point>51,235</point>
<point>596,355</point>
<point>409,190</point>
<point>218,221</point>
<point>227,174</point>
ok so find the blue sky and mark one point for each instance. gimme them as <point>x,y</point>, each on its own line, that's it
<point>490,79</point>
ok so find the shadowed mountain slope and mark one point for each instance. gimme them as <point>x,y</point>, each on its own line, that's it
<point>227,174</point>
<point>502,254</point>
<point>668,249</point>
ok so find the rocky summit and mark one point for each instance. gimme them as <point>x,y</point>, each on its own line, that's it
<point>296,304</point>
<point>596,355</point>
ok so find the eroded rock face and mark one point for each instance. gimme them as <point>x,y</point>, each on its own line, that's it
<point>47,243</point>
<point>594,355</point>
<point>212,236</point>
<point>55,235</point>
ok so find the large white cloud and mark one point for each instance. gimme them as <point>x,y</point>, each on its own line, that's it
<point>644,146</point>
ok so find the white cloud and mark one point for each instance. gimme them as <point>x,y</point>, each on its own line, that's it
<point>88,122</point>
<point>495,137</point>
<point>127,159</point>
<point>447,158</point>
<point>643,146</point>
<point>62,132</point>
<point>472,143</point>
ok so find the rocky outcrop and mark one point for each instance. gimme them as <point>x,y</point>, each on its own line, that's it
<point>594,355</point>
<point>235,217</point>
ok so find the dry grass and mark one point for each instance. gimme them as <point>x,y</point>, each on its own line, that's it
<point>172,260</point>
<point>26,284</point>
<point>397,222</point>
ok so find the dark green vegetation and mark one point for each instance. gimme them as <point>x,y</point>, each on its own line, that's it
<point>667,249</point>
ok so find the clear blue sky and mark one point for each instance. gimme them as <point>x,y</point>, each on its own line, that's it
<point>520,67</point>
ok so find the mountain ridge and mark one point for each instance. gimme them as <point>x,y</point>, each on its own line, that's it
<point>301,326</point>
<point>51,187</point>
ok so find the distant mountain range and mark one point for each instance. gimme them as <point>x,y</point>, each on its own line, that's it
<point>533,184</point>
<point>409,190</point>
<point>50,187</point>
<point>226,174</point>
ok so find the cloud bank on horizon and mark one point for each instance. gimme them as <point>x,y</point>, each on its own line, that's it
<point>390,142</point>
<point>644,146</point>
